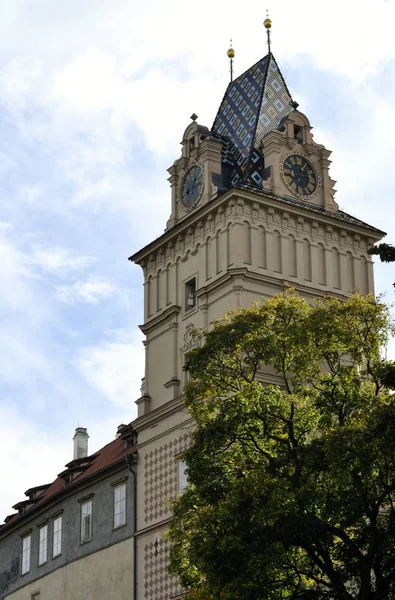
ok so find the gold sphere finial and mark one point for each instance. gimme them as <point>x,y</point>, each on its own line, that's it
<point>267,22</point>
<point>231,52</point>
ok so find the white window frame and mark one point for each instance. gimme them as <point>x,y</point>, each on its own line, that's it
<point>43,544</point>
<point>57,536</point>
<point>26,553</point>
<point>182,476</point>
<point>119,505</point>
<point>86,520</point>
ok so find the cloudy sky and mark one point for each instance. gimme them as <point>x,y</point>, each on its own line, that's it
<point>94,98</point>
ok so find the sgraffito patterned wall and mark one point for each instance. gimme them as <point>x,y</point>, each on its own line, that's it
<point>161,478</point>
<point>160,467</point>
<point>158,584</point>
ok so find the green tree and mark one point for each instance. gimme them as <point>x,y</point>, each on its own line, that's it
<point>291,467</point>
<point>386,252</point>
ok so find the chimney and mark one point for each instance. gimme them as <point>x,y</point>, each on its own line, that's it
<point>80,442</point>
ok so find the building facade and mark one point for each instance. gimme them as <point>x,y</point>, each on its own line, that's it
<point>74,538</point>
<point>252,209</point>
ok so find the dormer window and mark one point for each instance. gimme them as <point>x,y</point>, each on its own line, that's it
<point>191,144</point>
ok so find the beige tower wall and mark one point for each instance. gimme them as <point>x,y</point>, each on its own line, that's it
<point>240,248</point>
<point>243,248</point>
<point>98,576</point>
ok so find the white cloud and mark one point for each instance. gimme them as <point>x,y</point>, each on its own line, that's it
<point>22,447</point>
<point>61,261</point>
<point>89,82</point>
<point>15,274</point>
<point>349,38</point>
<point>115,368</point>
<point>19,358</point>
<point>18,82</point>
<point>18,266</point>
<point>89,291</point>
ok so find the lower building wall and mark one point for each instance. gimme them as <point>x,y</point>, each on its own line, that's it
<point>98,576</point>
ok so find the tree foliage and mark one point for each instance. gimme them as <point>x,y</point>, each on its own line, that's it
<point>291,469</point>
<point>386,252</point>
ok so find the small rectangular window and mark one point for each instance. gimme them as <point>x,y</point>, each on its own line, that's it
<point>190,294</point>
<point>182,476</point>
<point>57,536</point>
<point>26,546</point>
<point>120,505</point>
<point>86,521</point>
<point>43,545</point>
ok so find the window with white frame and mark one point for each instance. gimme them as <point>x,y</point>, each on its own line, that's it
<point>43,545</point>
<point>26,547</point>
<point>119,505</point>
<point>182,476</point>
<point>86,520</point>
<point>57,536</point>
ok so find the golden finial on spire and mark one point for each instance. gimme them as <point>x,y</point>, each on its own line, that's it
<point>231,55</point>
<point>267,24</point>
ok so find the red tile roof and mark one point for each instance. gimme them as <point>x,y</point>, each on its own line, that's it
<point>99,461</point>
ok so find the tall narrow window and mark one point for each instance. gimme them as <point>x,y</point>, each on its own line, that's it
<point>86,521</point>
<point>187,374</point>
<point>43,545</point>
<point>182,476</point>
<point>26,546</point>
<point>120,505</point>
<point>190,294</point>
<point>57,536</point>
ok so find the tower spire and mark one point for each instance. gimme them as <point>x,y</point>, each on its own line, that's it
<point>231,55</point>
<point>267,23</point>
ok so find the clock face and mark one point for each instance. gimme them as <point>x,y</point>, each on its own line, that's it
<point>192,187</point>
<point>299,175</point>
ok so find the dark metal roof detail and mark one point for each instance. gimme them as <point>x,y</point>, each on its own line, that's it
<point>253,105</point>
<point>338,214</point>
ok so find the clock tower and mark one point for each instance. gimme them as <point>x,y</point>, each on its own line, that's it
<point>252,209</point>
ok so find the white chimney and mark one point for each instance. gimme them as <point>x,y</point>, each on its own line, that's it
<point>80,442</point>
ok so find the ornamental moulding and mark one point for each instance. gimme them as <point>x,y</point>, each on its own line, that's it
<point>255,213</point>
